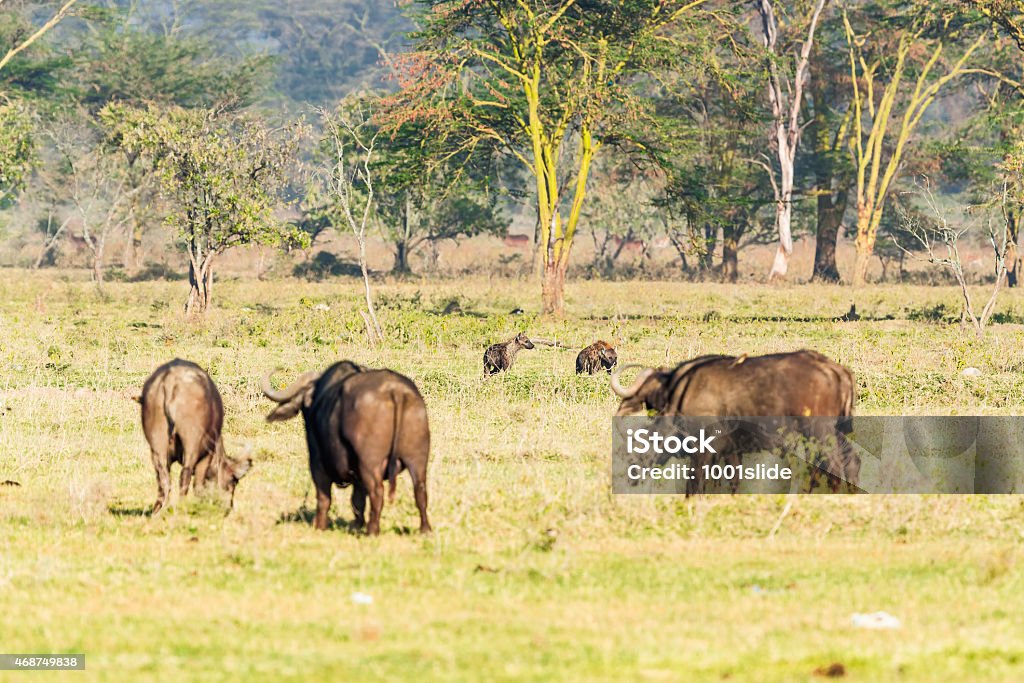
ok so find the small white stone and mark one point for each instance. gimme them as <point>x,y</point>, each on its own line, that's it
<point>362,598</point>
<point>875,621</point>
<point>971,372</point>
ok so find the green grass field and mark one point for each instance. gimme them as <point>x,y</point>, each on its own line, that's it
<point>534,571</point>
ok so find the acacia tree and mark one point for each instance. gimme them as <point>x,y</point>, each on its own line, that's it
<point>897,69</point>
<point>548,82</point>
<point>1007,14</point>
<point>1004,124</point>
<point>221,175</point>
<point>786,97</point>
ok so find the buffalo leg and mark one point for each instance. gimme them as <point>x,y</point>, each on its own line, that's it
<point>419,485</point>
<point>359,504</point>
<point>186,480</point>
<point>191,450</point>
<point>163,478</point>
<point>202,471</point>
<point>323,497</point>
<point>374,483</point>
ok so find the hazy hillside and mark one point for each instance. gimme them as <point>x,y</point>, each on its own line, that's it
<point>323,48</point>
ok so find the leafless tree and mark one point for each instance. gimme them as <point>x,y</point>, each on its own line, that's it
<point>785,95</point>
<point>940,243</point>
<point>94,180</point>
<point>51,238</point>
<point>352,142</point>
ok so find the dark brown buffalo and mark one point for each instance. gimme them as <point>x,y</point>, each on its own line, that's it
<point>598,357</point>
<point>362,426</point>
<point>797,384</point>
<point>182,417</point>
<point>499,357</point>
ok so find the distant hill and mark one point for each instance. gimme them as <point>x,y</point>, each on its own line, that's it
<point>324,48</point>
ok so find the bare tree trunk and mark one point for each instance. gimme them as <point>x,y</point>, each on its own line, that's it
<point>200,279</point>
<point>195,304</point>
<point>208,283</point>
<point>831,208</point>
<point>706,259</point>
<point>865,245</point>
<point>1012,250</point>
<point>97,264</point>
<point>553,288</point>
<point>51,242</point>
<point>832,189</point>
<point>730,252</point>
<point>401,266</point>
<point>366,288</point>
<point>785,126</point>
<point>403,242</point>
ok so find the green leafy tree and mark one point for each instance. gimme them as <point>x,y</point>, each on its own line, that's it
<point>16,148</point>
<point>416,203</point>
<point>712,153</point>
<point>23,74</point>
<point>122,59</point>
<point>549,82</point>
<point>1007,14</point>
<point>221,175</point>
<point>422,204</point>
<point>830,167</point>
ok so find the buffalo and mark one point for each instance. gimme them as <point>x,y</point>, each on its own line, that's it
<point>362,426</point>
<point>499,357</point>
<point>598,357</point>
<point>182,418</point>
<point>801,384</point>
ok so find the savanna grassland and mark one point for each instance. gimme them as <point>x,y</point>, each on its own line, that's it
<point>534,570</point>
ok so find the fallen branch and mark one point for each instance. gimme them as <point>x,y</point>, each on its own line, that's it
<point>782,516</point>
<point>551,342</point>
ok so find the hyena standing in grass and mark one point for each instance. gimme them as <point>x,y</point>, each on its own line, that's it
<point>499,357</point>
<point>599,356</point>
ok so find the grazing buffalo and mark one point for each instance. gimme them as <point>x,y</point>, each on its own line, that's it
<point>182,417</point>
<point>802,384</point>
<point>499,357</point>
<point>362,426</point>
<point>599,356</point>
